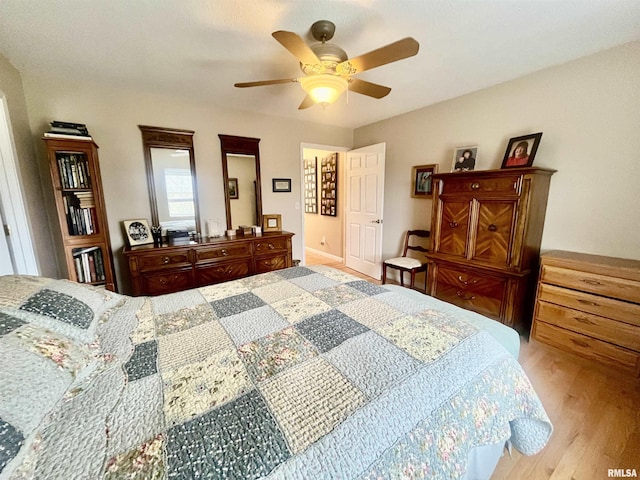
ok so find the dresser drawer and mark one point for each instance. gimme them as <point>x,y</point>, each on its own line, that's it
<point>586,346</point>
<point>230,251</point>
<point>504,185</point>
<point>618,333</point>
<point>481,293</point>
<point>268,264</point>
<point>270,245</point>
<point>222,272</point>
<point>166,282</point>
<point>163,260</point>
<point>620,288</point>
<point>586,302</point>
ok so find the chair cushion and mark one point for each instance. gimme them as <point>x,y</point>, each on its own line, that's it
<point>404,262</point>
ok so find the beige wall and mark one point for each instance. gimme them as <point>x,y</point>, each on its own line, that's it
<point>317,225</point>
<point>112,116</point>
<point>30,169</point>
<point>589,113</point>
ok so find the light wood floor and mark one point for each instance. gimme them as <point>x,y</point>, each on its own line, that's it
<point>595,412</point>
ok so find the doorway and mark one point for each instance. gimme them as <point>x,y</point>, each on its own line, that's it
<point>350,235</point>
<point>322,203</point>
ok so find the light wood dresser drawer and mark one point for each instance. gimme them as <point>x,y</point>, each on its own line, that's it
<point>604,285</point>
<point>587,302</point>
<point>619,333</point>
<point>586,346</point>
<point>590,305</point>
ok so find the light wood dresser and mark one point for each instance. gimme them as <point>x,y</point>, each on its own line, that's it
<point>167,269</point>
<point>590,305</point>
<point>486,230</point>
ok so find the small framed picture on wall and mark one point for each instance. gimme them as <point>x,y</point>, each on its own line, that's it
<point>421,181</point>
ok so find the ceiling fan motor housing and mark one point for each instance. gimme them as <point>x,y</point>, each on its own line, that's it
<point>323,30</point>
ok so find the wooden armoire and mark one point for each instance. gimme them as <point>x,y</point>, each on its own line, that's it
<point>486,230</point>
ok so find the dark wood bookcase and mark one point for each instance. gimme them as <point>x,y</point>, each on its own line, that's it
<point>77,188</point>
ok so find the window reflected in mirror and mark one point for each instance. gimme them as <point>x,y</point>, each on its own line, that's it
<point>171,178</point>
<point>174,189</point>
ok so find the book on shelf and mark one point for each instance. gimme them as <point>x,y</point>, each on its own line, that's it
<point>89,265</point>
<point>74,171</point>
<point>67,136</point>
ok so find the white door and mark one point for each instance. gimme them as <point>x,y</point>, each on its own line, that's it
<point>364,203</point>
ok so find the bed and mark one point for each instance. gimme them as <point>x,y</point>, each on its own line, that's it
<point>306,372</point>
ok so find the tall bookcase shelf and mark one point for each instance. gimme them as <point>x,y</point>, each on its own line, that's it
<point>77,188</point>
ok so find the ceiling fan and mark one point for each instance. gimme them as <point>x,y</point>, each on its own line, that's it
<point>328,71</point>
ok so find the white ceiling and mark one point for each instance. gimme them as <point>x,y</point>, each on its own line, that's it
<point>197,49</point>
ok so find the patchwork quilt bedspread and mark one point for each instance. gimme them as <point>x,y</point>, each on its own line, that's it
<point>306,373</point>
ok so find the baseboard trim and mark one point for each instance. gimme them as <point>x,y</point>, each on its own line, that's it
<point>335,258</point>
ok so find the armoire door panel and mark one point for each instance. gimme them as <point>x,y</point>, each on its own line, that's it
<point>494,232</point>
<point>454,227</point>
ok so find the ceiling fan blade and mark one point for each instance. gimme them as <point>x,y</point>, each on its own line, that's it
<point>306,103</point>
<point>407,47</point>
<point>367,88</point>
<point>265,82</point>
<point>295,44</point>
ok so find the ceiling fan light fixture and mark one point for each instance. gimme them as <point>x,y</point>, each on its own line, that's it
<point>324,89</point>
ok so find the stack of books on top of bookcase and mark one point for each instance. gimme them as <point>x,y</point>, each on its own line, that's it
<point>68,130</point>
<point>89,264</point>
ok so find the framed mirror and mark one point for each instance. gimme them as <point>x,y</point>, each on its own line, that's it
<point>241,172</point>
<point>171,178</point>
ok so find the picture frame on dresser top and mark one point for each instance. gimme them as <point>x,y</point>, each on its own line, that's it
<point>271,223</point>
<point>521,151</point>
<point>465,158</point>
<point>137,231</point>
<point>421,180</point>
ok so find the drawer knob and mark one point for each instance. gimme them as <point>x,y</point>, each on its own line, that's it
<point>464,296</point>
<point>492,228</point>
<point>224,252</point>
<point>166,260</point>
<point>271,247</point>
<point>453,224</point>
<point>466,282</point>
<point>475,186</point>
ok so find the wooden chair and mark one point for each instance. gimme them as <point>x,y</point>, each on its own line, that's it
<point>409,264</point>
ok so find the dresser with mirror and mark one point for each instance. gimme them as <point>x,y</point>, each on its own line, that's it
<point>199,260</point>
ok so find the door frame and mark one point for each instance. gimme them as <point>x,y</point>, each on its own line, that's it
<point>341,210</point>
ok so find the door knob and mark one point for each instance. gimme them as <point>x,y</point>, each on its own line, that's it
<point>377,221</point>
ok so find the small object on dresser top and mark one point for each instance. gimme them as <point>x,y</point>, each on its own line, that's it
<point>231,233</point>
<point>178,237</point>
<point>244,230</point>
